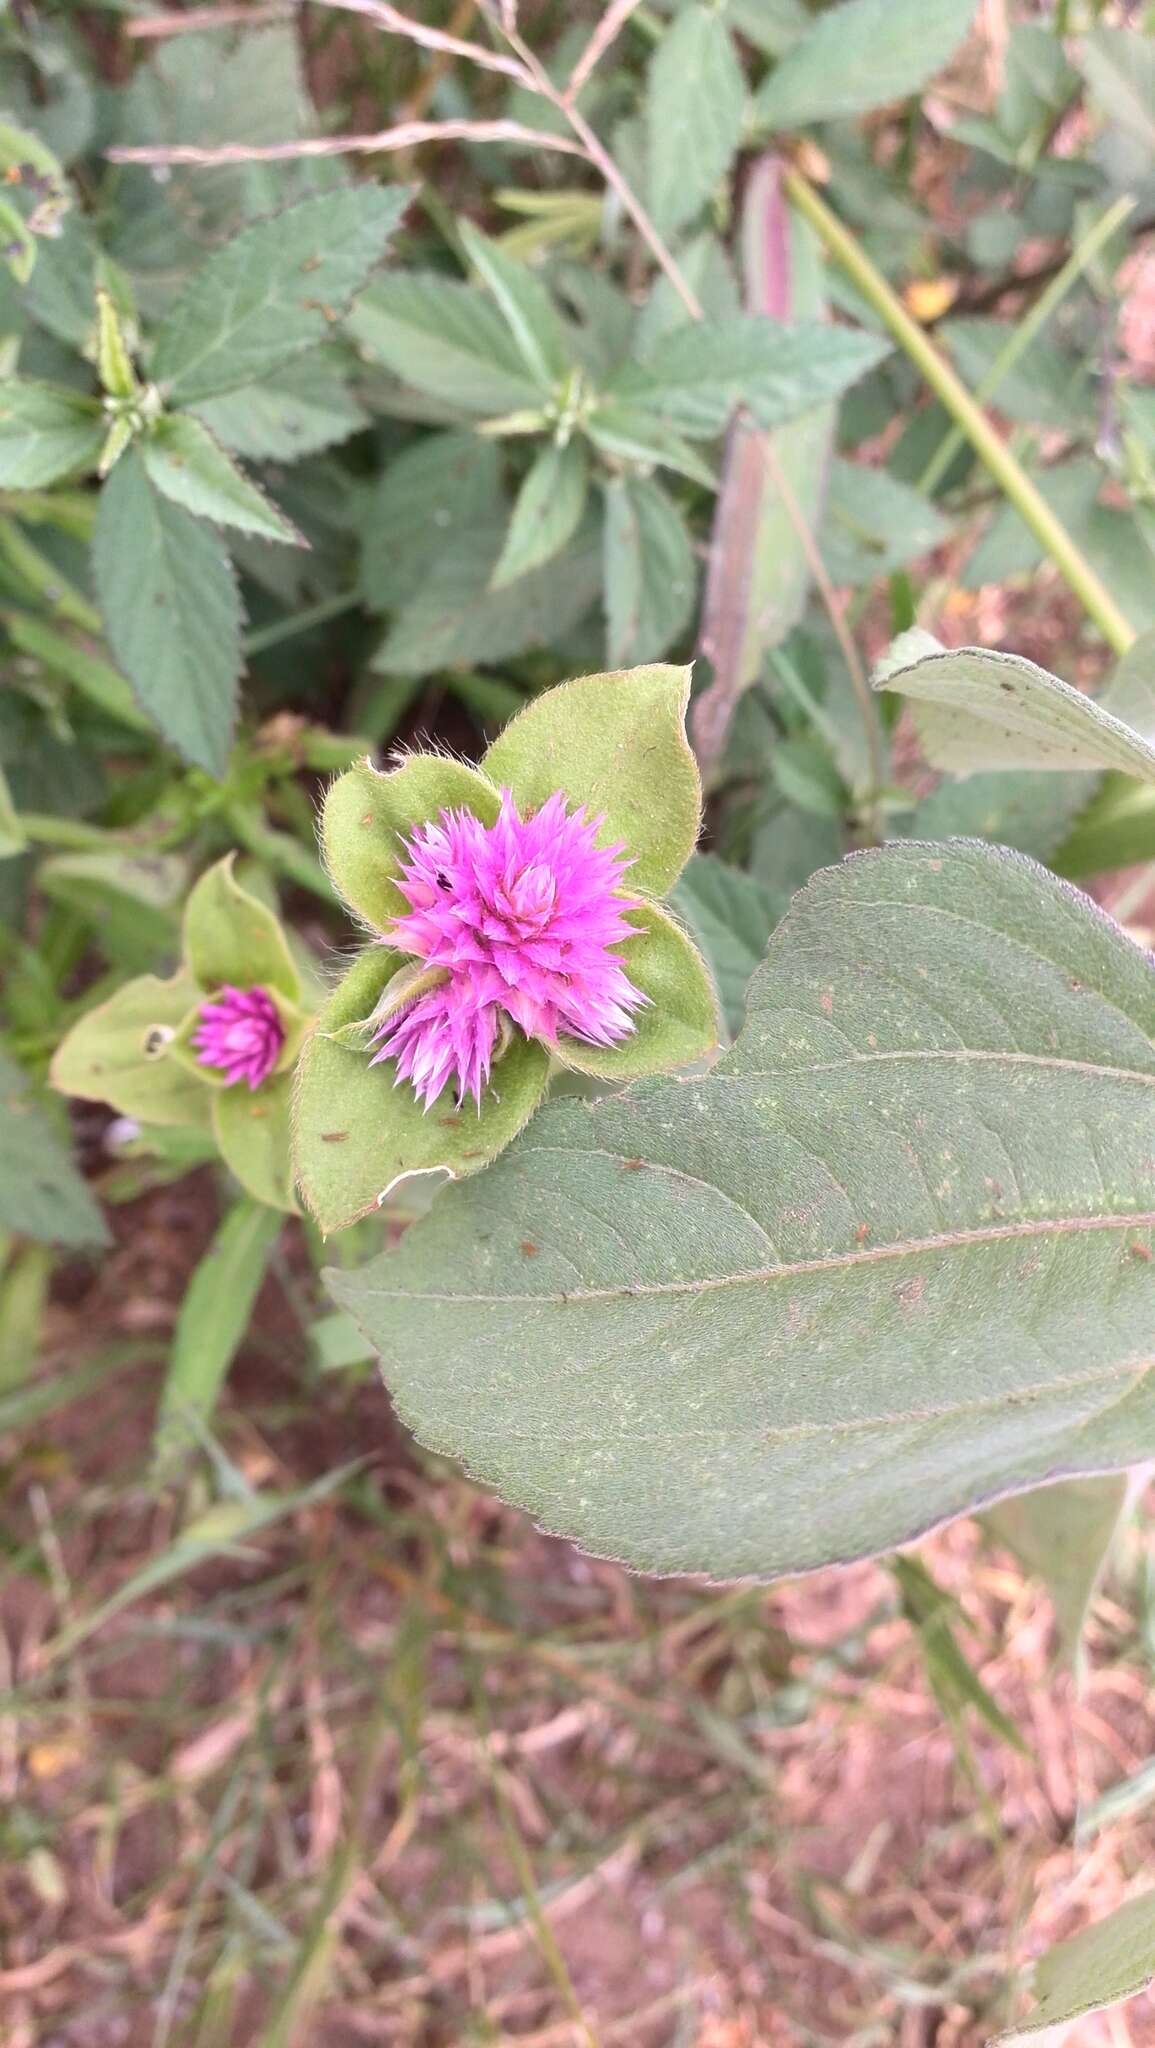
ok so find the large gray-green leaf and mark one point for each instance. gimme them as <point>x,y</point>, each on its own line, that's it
<point>889,1260</point>
<point>696,374</point>
<point>758,578</point>
<point>695,103</point>
<point>273,291</point>
<point>41,1193</point>
<point>976,709</point>
<point>171,613</point>
<point>1106,1963</point>
<point>862,54</point>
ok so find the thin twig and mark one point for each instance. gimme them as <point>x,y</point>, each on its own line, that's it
<point>198,18</point>
<point>427,84</point>
<point>408,135</point>
<point>613,20</point>
<point>400,24</point>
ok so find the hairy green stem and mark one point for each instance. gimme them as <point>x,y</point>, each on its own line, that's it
<point>944,381</point>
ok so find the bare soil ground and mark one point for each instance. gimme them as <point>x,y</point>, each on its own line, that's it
<point>401,1769</point>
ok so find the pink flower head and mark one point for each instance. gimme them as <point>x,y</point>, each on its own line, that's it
<point>241,1032</point>
<point>520,916</point>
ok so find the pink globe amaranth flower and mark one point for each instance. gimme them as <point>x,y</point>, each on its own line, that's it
<point>519,919</point>
<point>240,1031</point>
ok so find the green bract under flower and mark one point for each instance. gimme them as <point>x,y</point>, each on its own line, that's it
<point>142,1051</point>
<point>614,748</point>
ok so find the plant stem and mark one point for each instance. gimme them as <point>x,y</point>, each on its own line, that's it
<point>317,614</point>
<point>1008,473</point>
<point>1029,327</point>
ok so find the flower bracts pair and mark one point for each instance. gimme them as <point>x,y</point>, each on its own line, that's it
<point>215,1045</point>
<point>515,928</point>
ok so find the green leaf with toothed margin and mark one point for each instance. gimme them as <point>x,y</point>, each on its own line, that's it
<point>41,1193</point>
<point>616,744</point>
<point>891,1259</point>
<point>355,1133</point>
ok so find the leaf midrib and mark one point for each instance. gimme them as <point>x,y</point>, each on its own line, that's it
<point>946,1241</point>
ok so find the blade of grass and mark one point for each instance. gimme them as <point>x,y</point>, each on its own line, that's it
<point>944,381</point>
<point>213,1320</point>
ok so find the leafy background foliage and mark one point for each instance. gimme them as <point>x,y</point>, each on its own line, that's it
<point>411,366</point>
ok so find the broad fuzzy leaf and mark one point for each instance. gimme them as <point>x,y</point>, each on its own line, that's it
<point>41,1193</point>
<point>871,1271</point>
<point>171,613</point>
<point>253,1131</point>
<point>696,374</point>
<point>116,1053</point>
<point>367,813</point>
<point>45,433</point>
<point>616,744</point>
<point>695,104</point>
<point>230,936</point>
<point>355,1134</point>
<point>975,709</point>
<point>1112,1960</point>
<point>273,291</point>
<point>862,54</point>
<point>189,466</point>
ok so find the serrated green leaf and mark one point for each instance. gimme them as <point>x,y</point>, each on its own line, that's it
<point>116,1053</point>
<point>525,305</point>
<point>297,410</point>
<point>45,433</point>
<point>863,1276</point>
<point>355,1134</point>
<point>1031,812</point>
<point>1119,67</point>
<point>232,937</point>
<point>651,577</point>
<point>213,1319</point>
<point>696,375</point>
<point>171,612</point>
<point>978,709</point>
<point>454,615</point>
<point>695,105</point>
<point>445,339</point>
<point>41,1193</point>
<point>862,54</point>
<point>426,498</point>
<point>1106,1963</point>
<point>368,813</point>
<point>547,512</point>
<point>731,916</point>
<point>632,432</point>
<point>273,291</point>
<point>616,744</point>
<point>187,465</point>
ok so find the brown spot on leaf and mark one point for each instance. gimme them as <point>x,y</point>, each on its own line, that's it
<point>530,1250</point>
<point>911,1292</point>
<point>333,1137</point>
